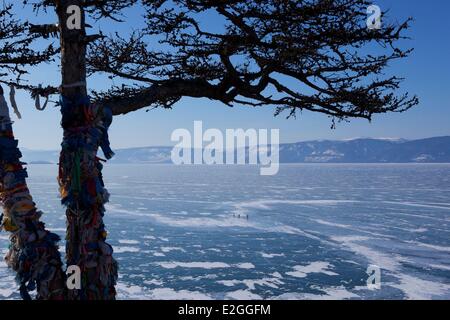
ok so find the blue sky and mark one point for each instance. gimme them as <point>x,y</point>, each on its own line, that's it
<point>427,74</point>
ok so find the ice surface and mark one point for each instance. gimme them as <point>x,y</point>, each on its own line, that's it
<point>314,267</point>
<point>310,232</point>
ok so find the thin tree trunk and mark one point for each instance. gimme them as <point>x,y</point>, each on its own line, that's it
<point>80,179</point>
<point>33,251</point>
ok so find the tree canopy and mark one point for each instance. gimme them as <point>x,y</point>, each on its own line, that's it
<point>314,55</point>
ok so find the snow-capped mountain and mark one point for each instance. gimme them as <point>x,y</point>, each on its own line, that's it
<point>361,150</point>
<point>367,151</point>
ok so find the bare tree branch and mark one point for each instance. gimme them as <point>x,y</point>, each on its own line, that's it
<point>295,55</point>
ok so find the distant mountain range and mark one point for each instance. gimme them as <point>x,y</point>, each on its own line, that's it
<point>431,150</point>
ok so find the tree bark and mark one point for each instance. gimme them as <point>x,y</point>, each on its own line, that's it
<point>168,90</point>
<point>80,179</point>
<point>33,251</point>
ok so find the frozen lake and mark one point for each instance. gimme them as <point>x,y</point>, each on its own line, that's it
<point>310,232</point>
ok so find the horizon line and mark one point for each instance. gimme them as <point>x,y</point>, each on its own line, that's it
<point>283,143</point>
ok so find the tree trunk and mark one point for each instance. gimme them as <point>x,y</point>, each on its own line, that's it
<point>33,252</point>
<point>80,179</point>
